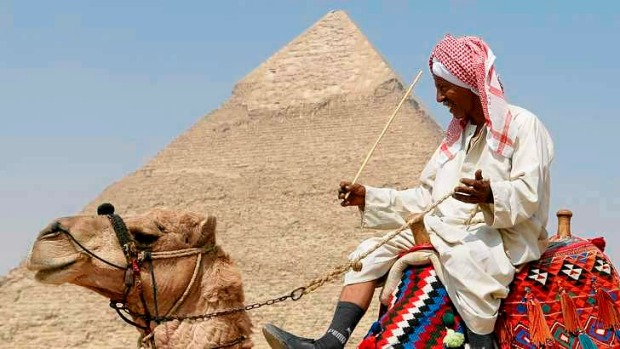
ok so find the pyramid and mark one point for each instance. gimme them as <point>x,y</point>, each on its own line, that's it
<point>267,163</point>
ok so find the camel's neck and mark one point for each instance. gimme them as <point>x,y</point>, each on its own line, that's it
<point>217,287</point>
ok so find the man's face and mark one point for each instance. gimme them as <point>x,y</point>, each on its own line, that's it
<point>461,102</point>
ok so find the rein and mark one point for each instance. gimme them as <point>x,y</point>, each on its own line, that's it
<point>136,258</point>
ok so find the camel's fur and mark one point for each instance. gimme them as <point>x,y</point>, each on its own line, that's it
<point>56,260</point>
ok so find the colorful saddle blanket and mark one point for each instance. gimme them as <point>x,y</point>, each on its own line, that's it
<point>570,298</point>
<point>419,314</point>
<point>567,299</point>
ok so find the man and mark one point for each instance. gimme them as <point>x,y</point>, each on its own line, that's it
<point>495,160</point>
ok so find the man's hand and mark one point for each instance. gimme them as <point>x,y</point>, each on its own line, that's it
<point>475,191</point>
<point>352,194</point>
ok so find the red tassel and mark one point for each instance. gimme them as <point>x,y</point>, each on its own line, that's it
<point>504,331</point>
<point>608,315</point>
<point>539,330</point>
<point>569,313</point>
<point>368,343</point>
<point>599,243</point>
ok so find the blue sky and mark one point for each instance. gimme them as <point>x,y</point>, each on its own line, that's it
<point>90,90</point>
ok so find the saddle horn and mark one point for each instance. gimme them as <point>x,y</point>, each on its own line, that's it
<point>564,217</point>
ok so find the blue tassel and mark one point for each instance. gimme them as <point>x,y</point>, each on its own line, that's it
<point>375,328</point>
<point>586,342</point>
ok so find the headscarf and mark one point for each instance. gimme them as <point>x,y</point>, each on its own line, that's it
<point>469,62</point>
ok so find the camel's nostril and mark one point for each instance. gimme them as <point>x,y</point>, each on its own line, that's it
<point>52,231</point>
<point>49,234</point>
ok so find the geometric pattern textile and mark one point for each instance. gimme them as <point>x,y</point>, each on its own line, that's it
<point>574,266</point>
<point>417,314</point>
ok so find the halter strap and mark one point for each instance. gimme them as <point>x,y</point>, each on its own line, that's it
<point>135,258</point>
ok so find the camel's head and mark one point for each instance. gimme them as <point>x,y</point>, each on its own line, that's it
<point>56,258</point>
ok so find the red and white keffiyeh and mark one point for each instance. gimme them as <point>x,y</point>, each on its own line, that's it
<point>470,60</point>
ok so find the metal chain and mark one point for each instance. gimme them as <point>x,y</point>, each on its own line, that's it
<point>299,292</point>
<point>295,295</point>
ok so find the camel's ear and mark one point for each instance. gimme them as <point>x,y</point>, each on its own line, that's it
<point>207,231</point>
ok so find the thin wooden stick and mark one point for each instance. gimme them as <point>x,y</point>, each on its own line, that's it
<point>402,101</point>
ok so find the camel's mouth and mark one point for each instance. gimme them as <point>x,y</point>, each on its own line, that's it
<point>54,273</point>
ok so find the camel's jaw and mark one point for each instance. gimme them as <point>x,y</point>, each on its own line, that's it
<point>54,260</point>
<point>56,271</point>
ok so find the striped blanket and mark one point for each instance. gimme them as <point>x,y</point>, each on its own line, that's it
<point>570,298</point>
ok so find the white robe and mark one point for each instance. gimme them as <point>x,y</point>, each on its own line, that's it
<point>479,259</point>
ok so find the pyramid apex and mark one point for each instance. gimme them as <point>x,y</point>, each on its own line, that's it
<point>338,11</point>
<point>337,14</point>
<point>332,57</point>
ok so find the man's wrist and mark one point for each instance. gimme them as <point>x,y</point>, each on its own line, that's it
<point>490,199</point>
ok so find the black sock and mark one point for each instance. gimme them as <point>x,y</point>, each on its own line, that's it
<point>480,341</point>
<point>346,317</point>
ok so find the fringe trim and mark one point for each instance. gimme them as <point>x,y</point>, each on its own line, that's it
<point>539,330</point>
<point>569,313</point>
<point>586,342</point>
<point>504,331</point>
<point>608,315</point>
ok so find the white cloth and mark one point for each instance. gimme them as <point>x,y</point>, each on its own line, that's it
<point>440,70</point>
<point>479,259</point>
<point>417,258</point>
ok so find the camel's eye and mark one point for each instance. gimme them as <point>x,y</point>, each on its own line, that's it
<point>144,238</point>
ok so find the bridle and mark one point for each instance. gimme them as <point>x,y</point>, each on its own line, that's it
<point>136,258</point>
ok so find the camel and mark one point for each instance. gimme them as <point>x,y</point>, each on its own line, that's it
<point>183,273</point>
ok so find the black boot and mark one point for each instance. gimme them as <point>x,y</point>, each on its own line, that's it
<point>346,316</point>
<point>280,339</point>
